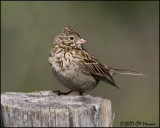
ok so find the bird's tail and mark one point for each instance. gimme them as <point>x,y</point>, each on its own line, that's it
<point>125,72</point>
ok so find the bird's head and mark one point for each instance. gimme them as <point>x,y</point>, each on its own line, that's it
<point>70,37</point>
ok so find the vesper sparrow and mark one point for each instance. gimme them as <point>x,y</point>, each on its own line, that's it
<point>77,69</point>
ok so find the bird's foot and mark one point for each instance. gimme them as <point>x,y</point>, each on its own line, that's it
<point>62,93</point>
<point>72,93</point>
<point>81,93</point>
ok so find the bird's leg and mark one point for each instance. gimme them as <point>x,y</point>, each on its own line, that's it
<point>62,93</point>
<point>81,93</point>
<point>66,93</point>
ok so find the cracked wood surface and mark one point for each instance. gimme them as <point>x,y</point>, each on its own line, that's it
<point>47,109</point>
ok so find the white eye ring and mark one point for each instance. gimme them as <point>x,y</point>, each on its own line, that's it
<point>71,38</point>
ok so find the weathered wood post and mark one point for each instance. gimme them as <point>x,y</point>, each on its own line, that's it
<point>47,109</point>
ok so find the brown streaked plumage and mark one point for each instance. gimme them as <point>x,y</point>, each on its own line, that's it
<point>77,69</point>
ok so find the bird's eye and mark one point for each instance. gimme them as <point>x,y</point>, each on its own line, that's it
<point>71,38</point>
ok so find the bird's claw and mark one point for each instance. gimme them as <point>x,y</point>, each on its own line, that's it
<point>61,93</point>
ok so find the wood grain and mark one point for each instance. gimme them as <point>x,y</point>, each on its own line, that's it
<point>47,109</point>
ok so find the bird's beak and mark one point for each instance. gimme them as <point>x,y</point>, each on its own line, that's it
<point>81,41</point>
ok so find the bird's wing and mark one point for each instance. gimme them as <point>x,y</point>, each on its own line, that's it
<point>91,64</point>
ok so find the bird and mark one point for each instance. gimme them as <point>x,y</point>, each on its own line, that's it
<point>77,69</point>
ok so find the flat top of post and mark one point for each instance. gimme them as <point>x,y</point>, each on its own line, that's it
<point>47,99</point>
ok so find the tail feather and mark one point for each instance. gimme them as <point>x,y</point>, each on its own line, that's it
<point>125,72</point>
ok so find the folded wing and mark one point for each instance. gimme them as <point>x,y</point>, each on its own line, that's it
<point>98,70</point>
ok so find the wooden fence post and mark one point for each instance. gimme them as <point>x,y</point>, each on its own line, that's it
<point>47,109</point>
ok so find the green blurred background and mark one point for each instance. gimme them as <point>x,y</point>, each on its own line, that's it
<point>120,34</point>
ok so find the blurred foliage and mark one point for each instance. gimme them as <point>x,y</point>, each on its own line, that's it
<point>120,34</point>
